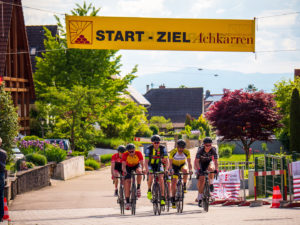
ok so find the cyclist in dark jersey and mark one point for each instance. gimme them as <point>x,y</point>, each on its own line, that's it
<point>155,156</point>
<point>206,160</point>
<point>116,166</point>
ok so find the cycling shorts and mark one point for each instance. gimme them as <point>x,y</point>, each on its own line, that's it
<point>156,168</point>
<point>129,170</point>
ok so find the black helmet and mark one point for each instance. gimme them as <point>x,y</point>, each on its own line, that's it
<point>121,148</point>
<point>155,138</point>
<point>181,143</point>
<point>130,146</point>
<point>207,140</point>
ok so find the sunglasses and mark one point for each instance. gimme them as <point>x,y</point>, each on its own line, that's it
<point>157,142</point>
<point>131,151</point>
<point>207,144</point>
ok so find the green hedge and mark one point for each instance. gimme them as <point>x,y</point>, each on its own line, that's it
<point>31,138</point>
<point>225,150</point>
<point>92,163</point>
<point>36,159</point>
<point>106,158</point>
<point>55,154</point>
<point>113,143</point>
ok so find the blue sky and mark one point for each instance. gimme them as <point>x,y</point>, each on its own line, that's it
<point>273,35</point>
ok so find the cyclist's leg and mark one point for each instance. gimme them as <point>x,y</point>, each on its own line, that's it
<point>185,177</point>
<point>116,182</point>
<point>139,180</point>
<point>160,169</point>
<point>127,186</point>
<point>211,176</point>
<point>150,180</point>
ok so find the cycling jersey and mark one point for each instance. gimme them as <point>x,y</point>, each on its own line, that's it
<point>118,161</point>
<point>134,160</point>
<point>179,159</point>
<point>155,156</point>
<point>206,156</point>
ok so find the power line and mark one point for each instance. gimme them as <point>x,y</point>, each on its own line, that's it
<point>29,7</point>
<point>283,14</point>
<point>25,52</point>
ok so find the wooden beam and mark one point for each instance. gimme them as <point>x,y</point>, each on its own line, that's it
<point>16,89</point>
<point>24,128</point>
<point>23,118</point>
<point>15,79</point>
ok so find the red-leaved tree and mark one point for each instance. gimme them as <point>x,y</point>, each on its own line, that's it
<point>244,116</point>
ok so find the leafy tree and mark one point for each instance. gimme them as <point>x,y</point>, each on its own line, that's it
<point>75,88</point>
<point>188,119</point>
<point>9,126</point>
<point>251,88</point>
<point>283,93</point>
<point>295,121</point>
<point>154,128</point>
<point>124,120</point>
<point>244,116</point>
<point>161,122</point>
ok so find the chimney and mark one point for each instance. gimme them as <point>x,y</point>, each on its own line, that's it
<point>162,86</point>
<point>147,88</point>
<point>207,94</point>
<point>297,73</point>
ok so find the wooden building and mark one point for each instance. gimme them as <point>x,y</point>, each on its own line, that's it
<point>15,65</point>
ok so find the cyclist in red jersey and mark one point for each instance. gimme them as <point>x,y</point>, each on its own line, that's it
<point>116,166</point>
<point>132,160</point>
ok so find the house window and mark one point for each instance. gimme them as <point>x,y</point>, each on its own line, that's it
<point>32,51</point>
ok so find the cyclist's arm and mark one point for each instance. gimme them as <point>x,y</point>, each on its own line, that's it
<point>112,167</point>
<point>170,163</point>
<point>142,164</point>
<point>189,161</point>
<point>124,166</point>
<point>146,164</point>
<point>216,164</point>
<point>197,164</point>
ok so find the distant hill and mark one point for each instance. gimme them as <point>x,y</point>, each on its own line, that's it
<point>213,80</point>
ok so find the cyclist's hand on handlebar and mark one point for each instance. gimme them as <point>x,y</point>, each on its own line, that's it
<point>216,171</point>
<point>191,172</point>
<point>124,173</point>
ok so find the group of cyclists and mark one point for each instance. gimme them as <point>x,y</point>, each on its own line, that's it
<point>157,160</point>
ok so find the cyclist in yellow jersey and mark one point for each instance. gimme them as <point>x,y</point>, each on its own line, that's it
<point>177,163</point>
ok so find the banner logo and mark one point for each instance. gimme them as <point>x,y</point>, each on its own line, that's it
<point>81,32</point>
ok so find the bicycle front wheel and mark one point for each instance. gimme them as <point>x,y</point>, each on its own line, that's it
<point>205,199</point>
<point>167,196</point>
<point>156,197</point>
<point>121,199</point>
<point>133,199</point>
<point>179,198</point>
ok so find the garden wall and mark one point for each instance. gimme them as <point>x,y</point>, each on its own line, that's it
<point>69,168</point>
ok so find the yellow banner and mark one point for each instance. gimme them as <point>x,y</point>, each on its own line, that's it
<point>160,34</point>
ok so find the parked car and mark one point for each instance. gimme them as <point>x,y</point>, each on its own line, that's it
<point>66,142</point>
<point>17,154</point>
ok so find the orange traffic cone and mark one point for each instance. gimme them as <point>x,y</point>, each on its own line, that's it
<point>277,197</point>
<point>6,216</point>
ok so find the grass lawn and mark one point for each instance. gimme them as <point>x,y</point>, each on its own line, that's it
<point>240,158</point>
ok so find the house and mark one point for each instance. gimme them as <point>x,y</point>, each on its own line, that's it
<point>36,39</point>
<point>137,97</point>
<point>175,103</point>
<point>210,99</point>
<point>15,65</point>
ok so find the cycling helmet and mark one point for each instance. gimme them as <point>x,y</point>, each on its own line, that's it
<point>130,146</point>
<point>155,138</point>
<point>121,148</point>
<point>181,143</point>
<point>207,140</point>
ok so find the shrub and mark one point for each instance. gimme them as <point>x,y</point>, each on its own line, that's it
<point>77,153</point>
<point>88,168</point>
<point>29,165</point>
<point>170,133</point>
<point>109,143</point>
<point>162,133</point>
<point>154,128</point>
<point>92,163</point>
<point>37,159</point>
<point>54,154</point>
<point>225,150</point>
<point>33,138</point>
<point>106,158</point>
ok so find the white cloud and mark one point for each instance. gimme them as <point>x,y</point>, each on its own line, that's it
<point>276,21</point>
<point>200,5</point>
<point>141,8</point>
<point>219,11</point>
<point>288,43</point>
